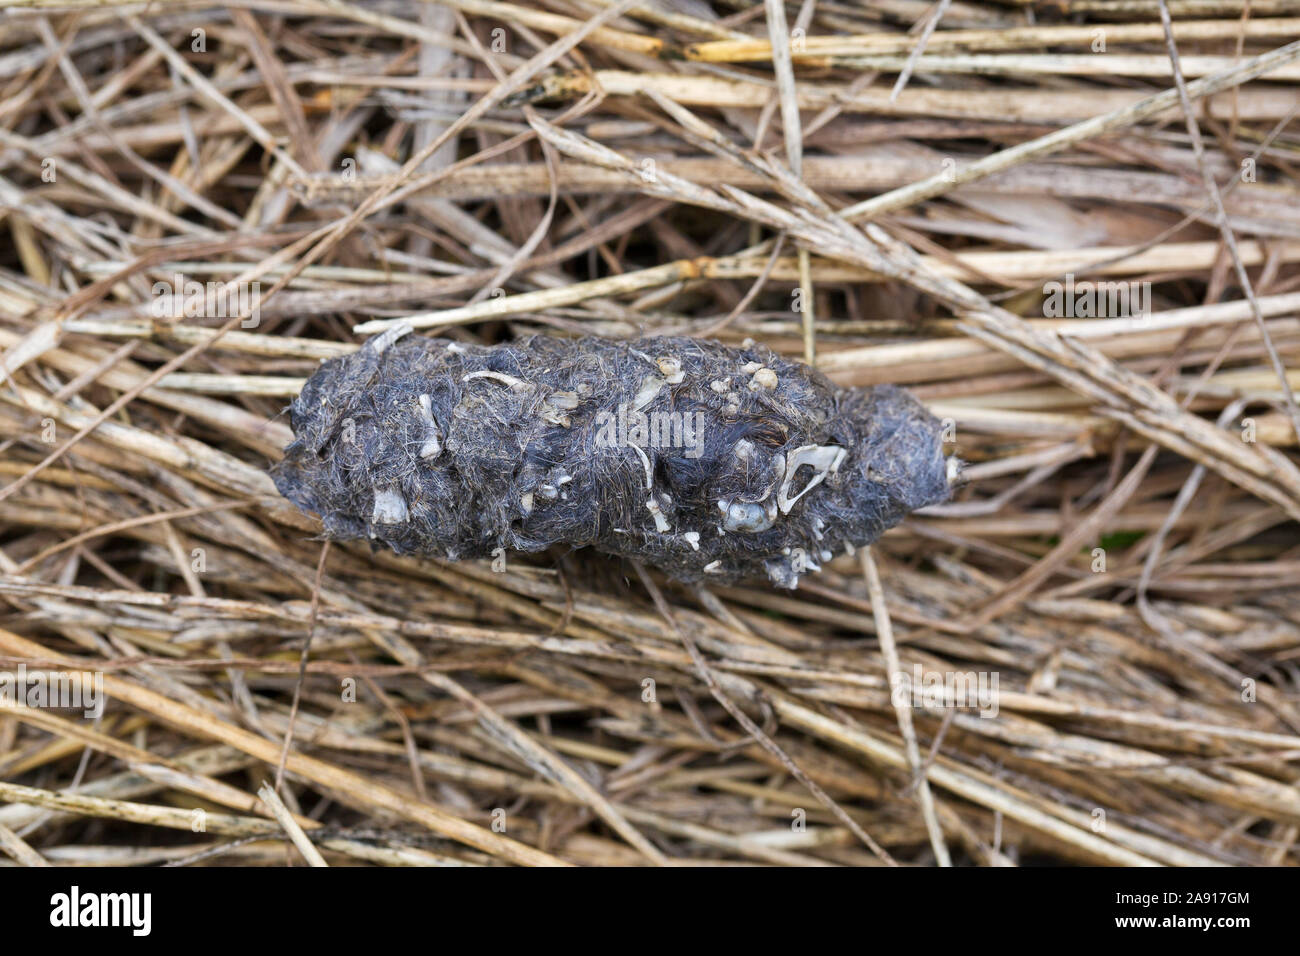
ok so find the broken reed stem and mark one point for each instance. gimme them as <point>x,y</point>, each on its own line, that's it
<point>1052,142</point>
<point>290,825</point>
<point>894,674</point>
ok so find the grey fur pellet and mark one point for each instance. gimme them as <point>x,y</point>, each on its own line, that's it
<point>711,463</point>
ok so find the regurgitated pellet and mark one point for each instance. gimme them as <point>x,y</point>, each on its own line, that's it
<point>708,462</point>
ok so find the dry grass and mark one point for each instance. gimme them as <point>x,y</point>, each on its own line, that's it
<point>1123,560</point>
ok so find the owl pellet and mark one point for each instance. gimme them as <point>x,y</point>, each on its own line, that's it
<point>708,462</point>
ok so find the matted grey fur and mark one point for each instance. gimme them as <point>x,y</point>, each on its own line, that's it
<point>708,462</point>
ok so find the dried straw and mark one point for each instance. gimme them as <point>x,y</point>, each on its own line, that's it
<point>886,190</point>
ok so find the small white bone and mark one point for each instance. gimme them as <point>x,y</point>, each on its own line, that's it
<point>645,461</point>
<point>749,517</point>
<point>825,459</point>
<point>386,338</point>
<point>500,377</point>
<point>431,447</point>
<point>390,507</point>
<point>556,404</point>
<point>672,369</point>
<point>661,523</point>
<point>650,387</point>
